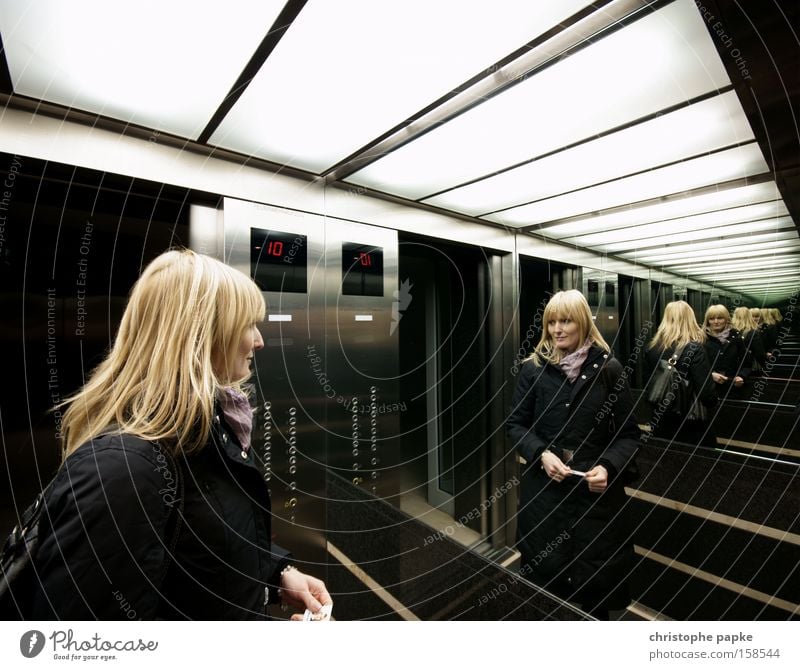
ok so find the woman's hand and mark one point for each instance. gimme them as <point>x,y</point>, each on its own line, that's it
<point>303,591</point>
<point>738,381</point>
<point>718,377</point>
<point>554,467</point>
<point>597,479</point>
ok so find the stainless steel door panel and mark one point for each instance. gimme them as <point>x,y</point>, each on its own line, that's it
<point>361,352</point>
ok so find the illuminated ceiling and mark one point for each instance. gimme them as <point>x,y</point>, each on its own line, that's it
<point>616,127</point>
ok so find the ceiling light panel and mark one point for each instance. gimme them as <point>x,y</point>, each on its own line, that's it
<point>670,209</point>
<point>658,61</point>
<point>721,242</point>
<point>776,274</point>
<point>791,260</point>
<point>667,257</point>
<point>784,224</point>
<point>736,163</point>
<point>763,284</point>
<point>691,131</point>
<point>348,71</point>
<point>768,214</point>
<point>163,65</point>
<point>769,288</point>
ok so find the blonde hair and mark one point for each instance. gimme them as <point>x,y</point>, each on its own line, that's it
<point>767,316</point>
<point>678,327</point>
<point>755,312</point>
<point>716,310</point>
<point>566,305</point>
<point>743,320</point>
<point>183,323</point>
<point>776,315</point>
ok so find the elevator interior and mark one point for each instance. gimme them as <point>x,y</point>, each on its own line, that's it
<point>387,362</point>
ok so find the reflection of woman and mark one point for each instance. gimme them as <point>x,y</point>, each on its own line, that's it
<point>165,407</point>
<point>769,329</point>
<point>679,333</point>
<point>572,411</point>
<point>755,354</point>
<point>764,323</point>
<point>725,349</point>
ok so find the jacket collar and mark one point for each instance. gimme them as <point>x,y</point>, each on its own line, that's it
<point>595,361</point>
<point>227,443</point>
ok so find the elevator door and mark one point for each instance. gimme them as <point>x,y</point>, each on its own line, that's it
<point>445,378</point>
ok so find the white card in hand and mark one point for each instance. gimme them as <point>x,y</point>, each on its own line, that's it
<point>324,614</point>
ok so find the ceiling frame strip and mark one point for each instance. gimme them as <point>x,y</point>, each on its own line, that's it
<point>274,34</point>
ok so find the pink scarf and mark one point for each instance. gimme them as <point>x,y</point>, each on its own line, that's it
<point>724,335</point>
<point>572,363</point>
<point>238,414</point>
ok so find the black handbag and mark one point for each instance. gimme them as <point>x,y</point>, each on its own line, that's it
<point>16,559</point>
<point>667,385</point>
<point>672,391</point>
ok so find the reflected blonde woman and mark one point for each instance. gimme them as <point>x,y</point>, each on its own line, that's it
<point>679,334</point>
<point>756,355</point>
<point>572,421</point>
<point>725,349</point>
<point>769,328</point>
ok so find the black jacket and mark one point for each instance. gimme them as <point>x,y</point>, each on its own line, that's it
<point>109,520</point>
<point>729,359</point>
<point>755,352</point>
<point>769,334</point>
<point>573,542</point>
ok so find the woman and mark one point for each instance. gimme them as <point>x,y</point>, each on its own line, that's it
<point>725,350</point>
<point>769,329</point>
<point>678,334</point>
<point>760,318</point>
<point>572,421</point>
<point>755,353</point>
<point>160,509</point>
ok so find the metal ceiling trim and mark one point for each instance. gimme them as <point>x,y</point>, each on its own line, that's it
<point>278,29</point>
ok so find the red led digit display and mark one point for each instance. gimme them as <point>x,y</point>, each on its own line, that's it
<point>362,269</point>
<point>278,260</point>
<point>275,248</point>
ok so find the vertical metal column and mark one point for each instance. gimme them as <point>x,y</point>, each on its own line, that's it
<point>290,389</point>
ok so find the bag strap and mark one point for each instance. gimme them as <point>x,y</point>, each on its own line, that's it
<point>676,356</point>
<point>17,540</point>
